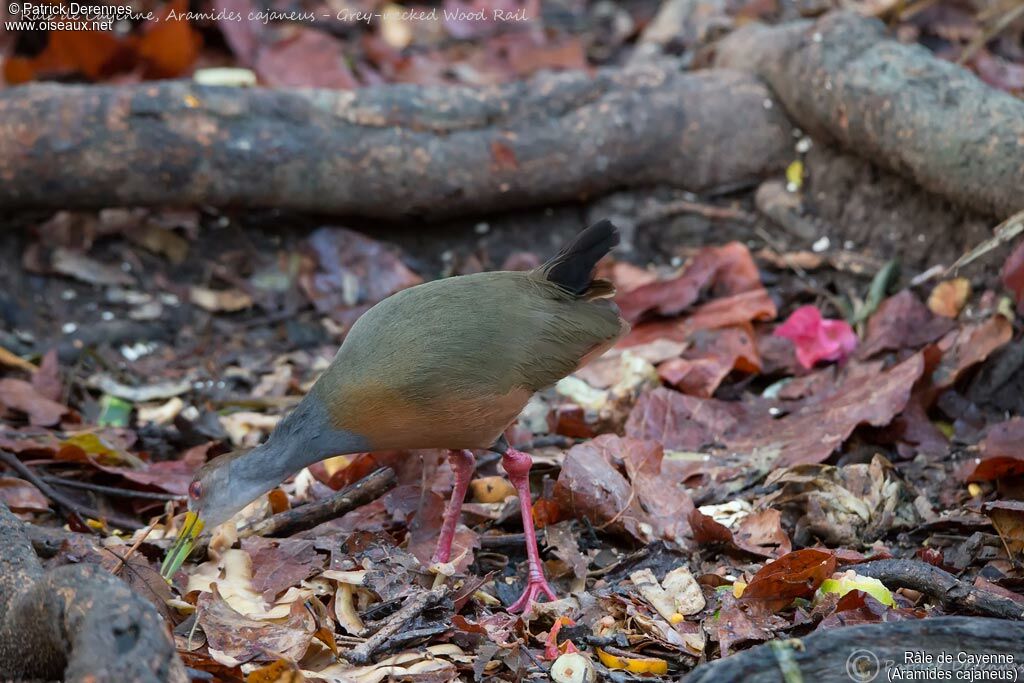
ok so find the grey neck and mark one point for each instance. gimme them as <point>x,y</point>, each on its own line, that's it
<point>302,438</point>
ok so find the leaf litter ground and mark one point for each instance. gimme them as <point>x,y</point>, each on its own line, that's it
<point>709,484</point>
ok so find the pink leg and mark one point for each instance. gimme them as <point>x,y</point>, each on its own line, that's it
<point>462,463</point>
<point>517,464</point>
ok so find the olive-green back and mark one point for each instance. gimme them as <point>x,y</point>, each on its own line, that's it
<point>473,335</point>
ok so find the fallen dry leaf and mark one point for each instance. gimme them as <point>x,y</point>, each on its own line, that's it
<point>683,423</point>
<point>761,533</point>
<point>721,271</point>
<point>902,322</point>
<point>1002,453</point>
<point>709,359</point>
<point>849,506</point>
<point>159,240</point>
<point>306,58</point>
<point>46,379</point>
<point>348,273</point>
<point>737,309</point>
<point>968,346</point>
<point>220,300</point>
<point>172,476</point>
<point>590,487</point>
<point>432,663</point>
<point>734,626</point>
<point>1008,518</point>
<point>90,53</point>
<point>998,72</point>
<point>280,671</point>
<point>21,496</point>
<point>19,395</point>
<point>1012,275</point>
<point>858,607</point>
<point>795,575</point>
<point>168,46</point>
<point>232,577</point>
<point>137,572</point>
<point>81,267</point>
<point>246,428</point>
<point>665,501</point>
<point>235,639</point>
<point>949,297</point>
<point>813,432</point>
<point>279,564</point>
<point>678,594</point>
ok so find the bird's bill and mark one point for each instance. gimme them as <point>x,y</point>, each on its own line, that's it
<point>183,545</point>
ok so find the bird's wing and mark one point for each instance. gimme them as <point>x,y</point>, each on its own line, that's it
<point>477,335</point>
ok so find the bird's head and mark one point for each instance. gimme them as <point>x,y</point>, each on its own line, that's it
<point>219,489</point>
<point>231,481</point>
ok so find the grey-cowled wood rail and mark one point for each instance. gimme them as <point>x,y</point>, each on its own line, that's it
<point>446,364</point>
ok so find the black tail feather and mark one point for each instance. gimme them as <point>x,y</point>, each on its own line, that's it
<point>573,267</point>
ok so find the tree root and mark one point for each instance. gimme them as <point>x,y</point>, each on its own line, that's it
<point>390,152</point>
<point>842,79</point>
<point>938,584</point>
<point>872,651</point>
<point>75,622</point>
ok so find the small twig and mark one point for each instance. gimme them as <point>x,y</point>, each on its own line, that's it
<point>307,516</point>
<point>122,559</point>
<point>536,662</point>
<point>938,584</point>
<point>502,540</point>
<point>988,34</point>
<point>310,515</point>
<point>413,607</point>
<point>79,513</point>
<point>914,8</point>
<point>771,241</point>
<point>402,637</point>
<point>629,501</point>
<point>108,490</point>
<point>16,361</point>
<point>1003,233</point>
<point>678,206</point>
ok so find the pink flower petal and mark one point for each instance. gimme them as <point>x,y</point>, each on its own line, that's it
<point>816,338</point>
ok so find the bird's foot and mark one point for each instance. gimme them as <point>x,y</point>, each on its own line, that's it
<point>517,464</point>
<point>535,587</point>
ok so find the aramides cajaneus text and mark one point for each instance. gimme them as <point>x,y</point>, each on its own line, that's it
<point>446,364</point>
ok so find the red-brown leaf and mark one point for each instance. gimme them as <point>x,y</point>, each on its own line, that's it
<point>795,575</point>
<point>721,271</point>
<point>22,396</point>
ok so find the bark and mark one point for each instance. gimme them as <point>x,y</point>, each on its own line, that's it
<point>75,622</point>
<point>825,655</point>
<point>941,586</point>
<point>842,79</point>
<point>389,152</point>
